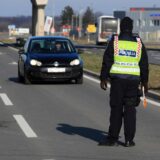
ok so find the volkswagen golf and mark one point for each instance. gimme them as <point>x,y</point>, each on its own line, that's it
<point>49,58</point>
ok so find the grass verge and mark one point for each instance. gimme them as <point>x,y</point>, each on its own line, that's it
<point>154,76</point>
<point>92,62</point>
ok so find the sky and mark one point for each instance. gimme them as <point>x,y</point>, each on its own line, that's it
<point>54,7</point>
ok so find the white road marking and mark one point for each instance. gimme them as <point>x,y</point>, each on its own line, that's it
<point>6,99</point>
<point>98,81</point>
<point>158,94</point>
<point>152,102</point>
<point>25,126</point>
<point>13,63</point>
<point>92,79</point>
<point>95,80</point>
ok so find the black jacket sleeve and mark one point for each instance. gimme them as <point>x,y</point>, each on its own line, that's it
<point>108,59</point>
<point>143,64</point>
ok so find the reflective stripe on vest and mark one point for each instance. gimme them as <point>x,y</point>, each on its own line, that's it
<point>127,55</point>
<point>116,45</point>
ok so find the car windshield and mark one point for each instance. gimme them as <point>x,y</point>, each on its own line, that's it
<point>51,46</point>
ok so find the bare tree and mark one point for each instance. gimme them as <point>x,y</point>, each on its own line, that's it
<point>88,17</point>
<point>66,15</point>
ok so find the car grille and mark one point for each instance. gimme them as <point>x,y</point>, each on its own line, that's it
<point>50,62</point>
<point>52,75</point>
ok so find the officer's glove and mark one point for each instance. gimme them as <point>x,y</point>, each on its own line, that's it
<point>103,84</point>
<point>145,85</point>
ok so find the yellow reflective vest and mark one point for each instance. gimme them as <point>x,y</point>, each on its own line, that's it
<point>127,55</point>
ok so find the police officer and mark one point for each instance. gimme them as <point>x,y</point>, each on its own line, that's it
<point>125,64</point>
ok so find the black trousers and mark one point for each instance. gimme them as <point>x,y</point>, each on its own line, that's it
<point>123,90</point>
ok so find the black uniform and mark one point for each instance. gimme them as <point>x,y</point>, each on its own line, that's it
<point>124,90</point>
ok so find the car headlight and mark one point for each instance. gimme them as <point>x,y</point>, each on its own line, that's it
<point>34,62</point>
<point>75,62</point>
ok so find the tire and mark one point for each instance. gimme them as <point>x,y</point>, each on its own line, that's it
<point>79,80</point>
<point>20,78</point>
<point>26,79</point>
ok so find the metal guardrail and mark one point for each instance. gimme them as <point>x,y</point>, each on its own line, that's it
<point>152,59</point>
<point>152,49</point>
<point>90,47</point>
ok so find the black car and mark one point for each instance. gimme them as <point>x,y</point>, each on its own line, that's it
<point>49,58</point>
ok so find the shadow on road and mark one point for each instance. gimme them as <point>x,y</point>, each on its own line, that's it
<point>54,82</point>
<point>3,45</point>
<point>90,133</point>
<point>14,79</point>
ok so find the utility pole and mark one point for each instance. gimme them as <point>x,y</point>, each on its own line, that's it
<point>38,17</point>
<point>80,23</point>
<point>53,21</point>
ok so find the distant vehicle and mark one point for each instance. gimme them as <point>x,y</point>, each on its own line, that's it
<point>49,58</point>
<point>20,41</point>
<point>19,31</point>
<point>106,26</point>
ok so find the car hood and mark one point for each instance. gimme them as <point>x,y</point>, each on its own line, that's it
<point>49,59</point>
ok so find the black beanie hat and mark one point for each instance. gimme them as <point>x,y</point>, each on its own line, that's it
<point>126,24</point>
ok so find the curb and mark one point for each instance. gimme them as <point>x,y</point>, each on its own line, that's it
<point>151,94</point>
<point>90,73</point>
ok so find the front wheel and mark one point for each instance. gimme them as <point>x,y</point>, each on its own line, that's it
<point>26,79</point>
<point>20,77</point>
<point>79,80</point>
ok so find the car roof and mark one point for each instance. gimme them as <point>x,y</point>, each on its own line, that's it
<point>48,37</point>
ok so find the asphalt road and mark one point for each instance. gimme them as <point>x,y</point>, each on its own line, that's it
<point>61,121</point>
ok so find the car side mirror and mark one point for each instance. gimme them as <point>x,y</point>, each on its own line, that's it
<point>21,51</point>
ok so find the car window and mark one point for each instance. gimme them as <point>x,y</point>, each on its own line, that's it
<point>26,46</point>
<point>51,46</point>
